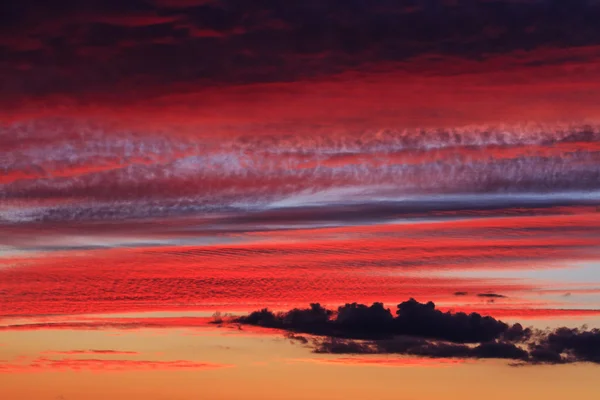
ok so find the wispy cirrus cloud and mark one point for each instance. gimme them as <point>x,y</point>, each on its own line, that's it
<point>90,352</point>
<point>42,364</point>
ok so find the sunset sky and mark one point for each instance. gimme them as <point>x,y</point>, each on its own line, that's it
<point>161,160</point>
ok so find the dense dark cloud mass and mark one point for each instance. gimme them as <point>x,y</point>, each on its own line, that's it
<point>568,345</point>
<point>419,329</point>
<point>423,320</point>
<point>420,347</point>
<point>65,46</point>
<point>415,319</point>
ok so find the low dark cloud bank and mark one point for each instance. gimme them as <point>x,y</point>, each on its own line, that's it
<point>419,329</point>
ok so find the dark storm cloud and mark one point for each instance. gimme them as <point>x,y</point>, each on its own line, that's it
<point>419,329</point>
<point>238,41</point>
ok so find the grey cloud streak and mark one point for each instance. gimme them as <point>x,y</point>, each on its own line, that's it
<point>90,172</point>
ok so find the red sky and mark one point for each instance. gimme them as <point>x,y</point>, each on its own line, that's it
<point>183,157</point>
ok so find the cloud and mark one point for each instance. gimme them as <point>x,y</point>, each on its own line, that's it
<point>414,346</point>
<point>421,330</point>
<point>296,338</point>
<point>105,365</point>
<point>124,365</point>
<point>343,346</point>
<point>359,321</point>
<point>332,265</point>
<point>90,352</point>
<point>491,295</point>
<point>268,41</point>
<point>114,173</point>
<point>107,324</point>
<point>568,345</point>
<point>383,362</point>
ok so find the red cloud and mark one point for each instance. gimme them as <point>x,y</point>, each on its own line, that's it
<point>331,265</point>
<point>90,352</point>
<point>104,365</point>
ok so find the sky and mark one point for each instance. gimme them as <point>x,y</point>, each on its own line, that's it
<point>162,160</point>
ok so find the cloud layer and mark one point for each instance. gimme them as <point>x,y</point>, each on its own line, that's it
<point>43,364</point>
<point>242,264</point>
<point>72,46</point>
<point>57,171</point>
<point>420,329</point>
